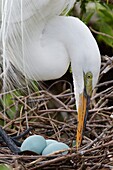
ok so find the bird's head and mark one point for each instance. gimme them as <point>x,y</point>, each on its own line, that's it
<point>84,85</point>
<point>83,105</point>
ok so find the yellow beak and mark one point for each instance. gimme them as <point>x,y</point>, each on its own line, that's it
<point>82,109</point>
<point>83,103</point>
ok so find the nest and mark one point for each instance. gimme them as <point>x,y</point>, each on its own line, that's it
<point>53,115</point>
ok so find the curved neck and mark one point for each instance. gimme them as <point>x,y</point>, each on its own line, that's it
<point>81,47</point>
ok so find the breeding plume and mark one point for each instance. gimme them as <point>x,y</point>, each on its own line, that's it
<point>40,41</point>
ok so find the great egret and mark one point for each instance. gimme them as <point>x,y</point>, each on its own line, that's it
<point>41,44</point>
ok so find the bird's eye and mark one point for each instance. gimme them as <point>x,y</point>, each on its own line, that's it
<point>89,75</point>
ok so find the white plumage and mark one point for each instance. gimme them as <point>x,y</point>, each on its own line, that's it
<point>23,29</point>
<point>41,44</point>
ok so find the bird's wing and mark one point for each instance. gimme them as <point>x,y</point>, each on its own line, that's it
<point>21,21</point>
<point>16,13</point>
<point>17,10</point>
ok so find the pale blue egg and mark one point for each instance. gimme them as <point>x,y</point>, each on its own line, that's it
<point>34,143</point>
<point>56,146</point>
<point>50,141</point>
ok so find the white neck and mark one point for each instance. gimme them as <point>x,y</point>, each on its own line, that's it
<point>81,47</point>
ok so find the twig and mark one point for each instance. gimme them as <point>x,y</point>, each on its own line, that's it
<point>11,145</point>
<point>101,33</point>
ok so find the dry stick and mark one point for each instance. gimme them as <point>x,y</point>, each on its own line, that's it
<point>15,138</point>
<point>51,155</point>
<point>106,67</point>
<point>41,111</point>
<point>4,117</point>
<point>101,109</point>
<point>25,157</point>
<point>57,110</point>
<point>55,129</point>
<point>60,81</point>
<point>57,100</point>
<point>104,83</point>
<point>98,121</point>
<point>23,134</point>
<point>99,165</point>
<point>27,123</point>
<point>82,152</point>
<point>101,93</point>
<point>103,113</point>
<point>98,126</point>
<point>40,117</point>
<point>26,106</point>
<point>11,145</point>
<point>55,160</point>
<point>20,122</point>
<point>43,98</point>
<point>99,103</point>
<point>95,140</point>
<point>107,137</point>
<point>104,103</point>
<point>97,156</point>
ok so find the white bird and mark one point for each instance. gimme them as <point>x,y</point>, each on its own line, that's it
<point>41,44</point>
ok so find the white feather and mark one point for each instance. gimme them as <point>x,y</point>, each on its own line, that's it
<point>41,44</point>
<point>40,8</point>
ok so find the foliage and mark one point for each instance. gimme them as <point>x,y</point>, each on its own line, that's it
<point>8,103</point>
<point>105,23</point>
<point>100,16</point>
<point>4,167</point>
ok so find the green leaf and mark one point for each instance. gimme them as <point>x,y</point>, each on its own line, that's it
<point>4,167</point>
<point>8,103</point>
<point>106,29</point>
<point>87,18</point>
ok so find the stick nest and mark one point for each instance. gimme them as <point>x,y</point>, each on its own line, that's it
<point>52,114</point>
